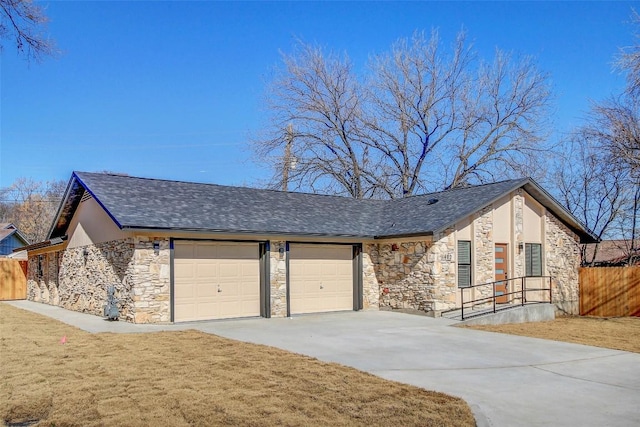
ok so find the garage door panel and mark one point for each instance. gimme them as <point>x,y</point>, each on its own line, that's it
<point>216,280</point>
<point>183,252</point>
<point>185,271</point>
<point>345,269</point>
<point>184,310</point>
<point>205,251</point>
<point>188,292</point>
<point>227,290</point>
<point>204,308</point>
<point>321,278</point>
<point>229,270</point>
<point>238,251</point>
<point>206,290</point>
<point>204,270</point>
<point>328,270</point>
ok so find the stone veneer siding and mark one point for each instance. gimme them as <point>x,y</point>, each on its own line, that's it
<point>421,275</point>
<point>370,287</point>
<point>562,259</point>
<point>152,281</point>
<point>278,279</point>
<point>412,275</point>
<point>140,276</point>
<point>483,256</point>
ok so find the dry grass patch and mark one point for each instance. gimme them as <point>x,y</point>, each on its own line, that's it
<point>191,378</point>
<point>619,333</point>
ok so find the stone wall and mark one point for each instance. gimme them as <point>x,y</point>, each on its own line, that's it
<point>152,279</point>
<point>483,253</point>
<point>84,273</point>
<point>77,278</point>
<point>562,258</point>
<point>421,275</point>
<point>278,279</point>
<point>404,273</point>
<point>519,260</point>
<point>42,278</point>
<point>370,286</point>
<point>443,258</point>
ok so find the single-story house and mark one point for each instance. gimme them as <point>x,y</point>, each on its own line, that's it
<point>11,238</point>
<point>181,251</point>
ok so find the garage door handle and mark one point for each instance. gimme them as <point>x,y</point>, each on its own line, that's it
<point>219,290</point>
<point>321,287</point>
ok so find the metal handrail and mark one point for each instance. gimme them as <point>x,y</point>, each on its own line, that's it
<point>523,293</point>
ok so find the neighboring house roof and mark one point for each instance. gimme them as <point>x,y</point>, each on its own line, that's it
<point>142,203</point>
<point>8,229</point>
<point>612,252</point>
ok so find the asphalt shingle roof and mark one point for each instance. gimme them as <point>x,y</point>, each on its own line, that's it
<point>144,203</point>
<point>435,212</point>
<point>150,203</point>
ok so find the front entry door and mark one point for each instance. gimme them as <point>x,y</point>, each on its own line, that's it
<point>501,273</point>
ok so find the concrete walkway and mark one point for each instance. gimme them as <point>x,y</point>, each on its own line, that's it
<point>507,380</point>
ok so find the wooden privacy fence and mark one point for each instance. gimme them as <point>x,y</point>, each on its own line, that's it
<point>13,279</point>
<point>610,291</point>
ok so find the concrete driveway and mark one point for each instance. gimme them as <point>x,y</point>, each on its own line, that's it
<point>507,380</point>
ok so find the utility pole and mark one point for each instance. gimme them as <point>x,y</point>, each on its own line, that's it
<point>286,160</point>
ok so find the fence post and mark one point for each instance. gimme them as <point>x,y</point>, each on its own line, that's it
<point>550,292</point>
<point>461,303</point>
<point>522,290</point>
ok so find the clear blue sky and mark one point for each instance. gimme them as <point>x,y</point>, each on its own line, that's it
<point>173,89</point>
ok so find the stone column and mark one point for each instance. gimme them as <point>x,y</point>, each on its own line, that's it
<point>278,278</point>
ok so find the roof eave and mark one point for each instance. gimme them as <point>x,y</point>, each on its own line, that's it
<point>404,235</point>
<point>560,212</point>
<point>64,202</point>
<point>69,204</point>
<point>42,245</point>
<point>547,200</point>
<point>132,228</point>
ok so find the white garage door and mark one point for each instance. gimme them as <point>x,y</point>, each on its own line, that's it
<point>320,278</point>
<point>215,280</point>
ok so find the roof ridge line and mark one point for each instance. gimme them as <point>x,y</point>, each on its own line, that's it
<point>229,186</point>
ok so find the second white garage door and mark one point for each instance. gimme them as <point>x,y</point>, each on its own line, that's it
<point>215,280</point>
<point>320,278</point>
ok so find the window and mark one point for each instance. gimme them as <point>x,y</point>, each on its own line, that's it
<point>464,263</point>
<point>533,255</point>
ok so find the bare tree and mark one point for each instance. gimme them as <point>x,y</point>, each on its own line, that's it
<point>614,125</point>
<point>23,22</point>
<point>316,104</point>
<point>628,59</point>
<point>591,188</point>
<point>31,205</point>
<point>415,92</point>
<point>599,179</point>
<point>422,118</point>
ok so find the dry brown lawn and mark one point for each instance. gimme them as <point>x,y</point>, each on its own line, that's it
<point>619,333</point>
<point>190,378</point>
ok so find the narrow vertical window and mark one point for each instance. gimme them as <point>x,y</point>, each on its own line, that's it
<point>464,263</point>
<point>533,256</point>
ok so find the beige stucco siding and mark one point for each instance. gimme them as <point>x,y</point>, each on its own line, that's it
<point>533,219</point>
<point>91,225</point>
<point>502,220</point>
